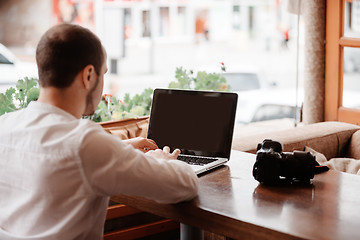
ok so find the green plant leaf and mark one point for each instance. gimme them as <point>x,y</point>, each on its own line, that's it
<point>32,95</point>
<point>184,79</point>
<point>139,105</point>
<point>10,93</point>
<point>6,101</point>
<point>23,86</point>
<point>202,81</point>
<point>138,111</point>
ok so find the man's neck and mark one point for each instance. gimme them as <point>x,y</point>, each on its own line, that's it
<point>66,99</point>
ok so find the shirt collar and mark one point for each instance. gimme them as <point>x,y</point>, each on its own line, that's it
<point>51,108</point>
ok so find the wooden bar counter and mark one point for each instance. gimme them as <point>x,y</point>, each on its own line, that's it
<point>233,204</point>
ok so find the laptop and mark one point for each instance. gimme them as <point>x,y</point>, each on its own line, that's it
<point>199,123</point>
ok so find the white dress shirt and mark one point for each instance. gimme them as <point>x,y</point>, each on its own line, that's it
<point>57,173</point>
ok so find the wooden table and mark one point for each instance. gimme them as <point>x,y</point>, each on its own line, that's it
<point>232,203</point>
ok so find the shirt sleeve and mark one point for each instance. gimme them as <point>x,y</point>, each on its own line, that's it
<point>113,167</point>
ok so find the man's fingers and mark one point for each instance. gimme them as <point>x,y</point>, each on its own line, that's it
<point>164,153</point>
<point>176,152</point>
<point>166,149</point>
<point>152,143</point>
<point>149,144</point>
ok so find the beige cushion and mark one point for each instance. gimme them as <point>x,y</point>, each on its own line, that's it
<point>319,157</point>
<point>354,148</point>
<point>348,165</point>
<point>330,138</point>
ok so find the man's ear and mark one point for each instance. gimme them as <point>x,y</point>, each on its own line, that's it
<point>88,76</point>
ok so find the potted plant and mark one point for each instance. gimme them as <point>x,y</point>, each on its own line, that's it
<point>110,107</point>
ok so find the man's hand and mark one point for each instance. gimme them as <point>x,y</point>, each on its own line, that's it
<point>164,154</point>
<point>143,144</point>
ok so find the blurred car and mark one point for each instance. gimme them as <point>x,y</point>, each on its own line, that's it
<point>245,81</point>
<point>12,69</point>
<point>268,104</point>
<point>242,81</point>
<point>259,99</point>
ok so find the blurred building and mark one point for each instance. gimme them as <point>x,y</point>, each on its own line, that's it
<point>122,23</point>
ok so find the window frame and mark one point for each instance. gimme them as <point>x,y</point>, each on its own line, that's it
<point>334,64</point>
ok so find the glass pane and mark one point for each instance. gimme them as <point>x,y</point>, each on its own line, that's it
<point>146,24</point>
<point>352,18</point>
<point>182,21</point>
<point>4,60</point>
<point>242,81</point>
<point>351,78</point>
<point>164,21</point>
<point>275,111</point>
<point>250,44</point>
<point>255,40</point>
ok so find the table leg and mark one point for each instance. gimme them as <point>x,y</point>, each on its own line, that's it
<point>190,233</point>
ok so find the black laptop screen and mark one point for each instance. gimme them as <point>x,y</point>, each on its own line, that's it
<point>196,122</point>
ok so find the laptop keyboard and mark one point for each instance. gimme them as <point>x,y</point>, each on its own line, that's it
<point>196,160</point>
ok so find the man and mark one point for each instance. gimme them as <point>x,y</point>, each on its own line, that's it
<point>57,171</point>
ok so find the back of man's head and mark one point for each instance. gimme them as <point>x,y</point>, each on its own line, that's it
<point>63,51</point>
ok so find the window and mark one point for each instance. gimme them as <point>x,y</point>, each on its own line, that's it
<point>181,20</point>
<point>164,21</point>
<point>236,17</point>
<point>342,71</point>
<point>146,24</point>
<point>127,23</point>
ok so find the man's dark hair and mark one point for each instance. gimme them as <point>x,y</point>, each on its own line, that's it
<point>63,51</point>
